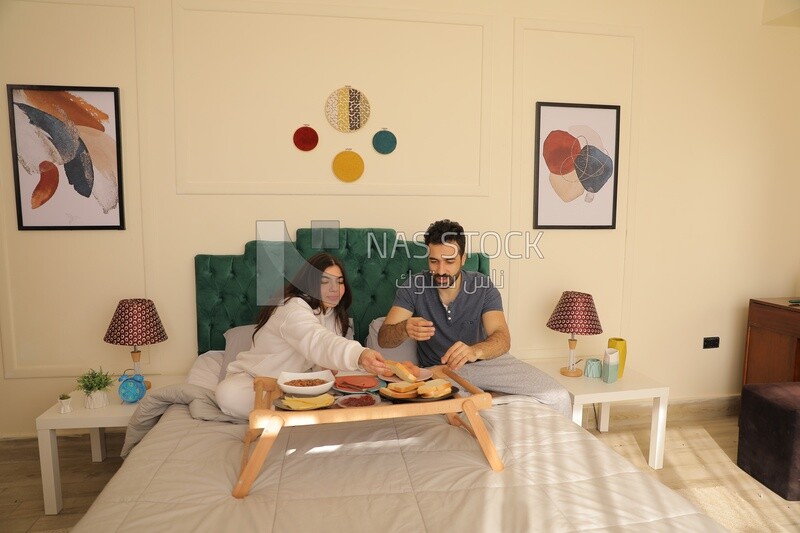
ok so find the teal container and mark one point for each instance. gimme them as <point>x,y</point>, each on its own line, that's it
<point>610,366</point>
<point>593,368</point>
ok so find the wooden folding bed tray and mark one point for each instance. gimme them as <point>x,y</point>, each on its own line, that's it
<point>266,422</point>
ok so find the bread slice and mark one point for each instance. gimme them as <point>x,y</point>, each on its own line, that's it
<point>412,367</point>
<point>401,371</point>
<point>434,388</point>
<point>438,393</point>
<point>399,395</point>
<point>404,386</point>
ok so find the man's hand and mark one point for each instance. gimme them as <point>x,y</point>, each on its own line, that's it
<point>419,329</point>
<point>372,362</point>
<point>458,355</point>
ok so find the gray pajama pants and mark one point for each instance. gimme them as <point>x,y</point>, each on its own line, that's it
<point>509,375</point>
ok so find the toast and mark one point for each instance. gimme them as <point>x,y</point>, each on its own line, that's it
<point>401,371</point>
<point>412,367</point>
<point>435,388</point>
<point>399,395</point>
<point>404,386</point>
<point>438,393</point>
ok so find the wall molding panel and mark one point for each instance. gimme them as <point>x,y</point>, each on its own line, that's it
<point>571,63</point>
<point>426,76</point>
<point>58,289</point>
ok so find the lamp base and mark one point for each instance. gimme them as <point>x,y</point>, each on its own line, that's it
<point>574,373</point>
<point>136,355</point>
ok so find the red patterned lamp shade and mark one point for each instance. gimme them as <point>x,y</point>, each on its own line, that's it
<point>135,323</point>
<point>575,314</point>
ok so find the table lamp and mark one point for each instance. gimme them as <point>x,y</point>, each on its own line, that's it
<point>575,314</point>
<point>135,323</point>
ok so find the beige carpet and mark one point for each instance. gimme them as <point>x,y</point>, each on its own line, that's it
<point>730,510</point>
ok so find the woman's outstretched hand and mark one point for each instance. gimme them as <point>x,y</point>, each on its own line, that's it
<point>372,362</point>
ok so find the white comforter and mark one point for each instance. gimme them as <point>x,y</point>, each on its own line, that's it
<point>410,474</point>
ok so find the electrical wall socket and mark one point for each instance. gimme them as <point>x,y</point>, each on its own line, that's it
<point>710,342</point>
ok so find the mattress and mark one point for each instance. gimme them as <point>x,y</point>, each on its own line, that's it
<point>400,475</point>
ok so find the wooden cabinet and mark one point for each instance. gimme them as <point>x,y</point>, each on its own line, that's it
<point>772,349</point>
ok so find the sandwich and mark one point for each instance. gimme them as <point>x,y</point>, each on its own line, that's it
<point>402,389</point>
<point>386,391</point>
<point>412,367</point>
<point>404,386</point>
<point>435,388</point>
<point>402,371</point>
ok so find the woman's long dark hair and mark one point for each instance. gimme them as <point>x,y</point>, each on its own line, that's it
<point>306,285</point>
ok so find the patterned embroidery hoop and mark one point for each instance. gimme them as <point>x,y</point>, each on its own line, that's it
<point>347,109</point>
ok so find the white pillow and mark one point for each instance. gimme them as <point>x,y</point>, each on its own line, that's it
<point>205,370</point>
<point>407,351</point>
<point>237,340</point>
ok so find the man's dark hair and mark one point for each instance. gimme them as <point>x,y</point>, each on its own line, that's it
<point>446,231</point>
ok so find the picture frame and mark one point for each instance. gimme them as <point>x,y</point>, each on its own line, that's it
<point>576,166</point>
<point>67,156</point>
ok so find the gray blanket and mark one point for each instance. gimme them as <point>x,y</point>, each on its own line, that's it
<point>408,474</point>
<point>201,401</point>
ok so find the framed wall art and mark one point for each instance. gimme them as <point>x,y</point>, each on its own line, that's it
<point>575,166</point>
<point>67,156</point>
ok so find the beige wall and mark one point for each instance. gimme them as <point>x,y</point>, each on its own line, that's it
<point>211,92</point>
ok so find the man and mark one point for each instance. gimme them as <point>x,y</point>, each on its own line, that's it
<point>457,319</point>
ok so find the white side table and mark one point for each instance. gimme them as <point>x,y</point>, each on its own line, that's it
<point>115,414</point>
<point>632,386</point>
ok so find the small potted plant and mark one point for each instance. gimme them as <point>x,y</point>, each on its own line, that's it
<point>64,400</point>
<point>94,384</point>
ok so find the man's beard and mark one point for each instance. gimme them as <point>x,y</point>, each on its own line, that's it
<point>445,281</point>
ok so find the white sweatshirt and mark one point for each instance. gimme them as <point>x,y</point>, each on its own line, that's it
<point>295,339</point>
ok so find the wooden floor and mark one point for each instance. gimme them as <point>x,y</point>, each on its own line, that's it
<point>700,463</point>
<point>700,458</point>
<point>21,503</point>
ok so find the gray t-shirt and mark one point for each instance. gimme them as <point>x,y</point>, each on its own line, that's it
<point>460,321</point>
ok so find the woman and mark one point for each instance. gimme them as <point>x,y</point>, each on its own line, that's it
<point>307,328</point>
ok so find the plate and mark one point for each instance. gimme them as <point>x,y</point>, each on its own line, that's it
<point>341,401</point>
<point>420,398</point>
<point>280,405</point>
<point>381,383</point>
<point>424,374</point>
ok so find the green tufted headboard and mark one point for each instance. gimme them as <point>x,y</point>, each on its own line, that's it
<point>229,287</point>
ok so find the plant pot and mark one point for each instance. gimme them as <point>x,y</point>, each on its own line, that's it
<point>96,399</point>
<point>64,406</point>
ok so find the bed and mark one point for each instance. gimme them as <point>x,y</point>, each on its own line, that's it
<point>402,474</point>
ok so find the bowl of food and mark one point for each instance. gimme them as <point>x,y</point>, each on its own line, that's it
<point>310,383</point>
